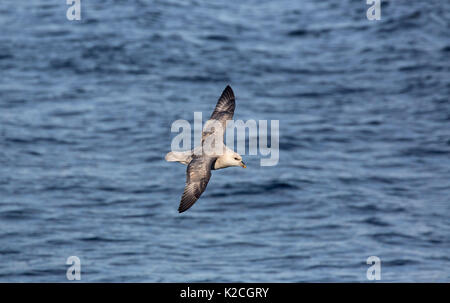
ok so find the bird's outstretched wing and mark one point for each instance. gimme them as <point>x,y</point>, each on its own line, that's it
<point>225,106</point>
<point>223,112</point>
<point>198,174</point>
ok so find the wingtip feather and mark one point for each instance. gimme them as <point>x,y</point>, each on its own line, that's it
<point>228,91</point>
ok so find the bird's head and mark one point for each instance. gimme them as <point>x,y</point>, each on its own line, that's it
<point>234,159</point>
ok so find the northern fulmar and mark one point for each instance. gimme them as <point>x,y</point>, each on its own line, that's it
<point>212,154</point>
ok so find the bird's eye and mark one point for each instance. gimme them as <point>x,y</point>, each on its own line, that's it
<point>236,159</point>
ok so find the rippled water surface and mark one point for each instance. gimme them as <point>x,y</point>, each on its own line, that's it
<point>85,115</point>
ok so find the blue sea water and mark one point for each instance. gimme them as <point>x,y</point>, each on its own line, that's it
<point>85,114</point>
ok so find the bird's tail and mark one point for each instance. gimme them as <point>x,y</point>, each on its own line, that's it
<point>176,156</point>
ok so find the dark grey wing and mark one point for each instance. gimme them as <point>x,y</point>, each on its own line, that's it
<point>198,174</point>
<point>225,106</point>
<point>224,110</point>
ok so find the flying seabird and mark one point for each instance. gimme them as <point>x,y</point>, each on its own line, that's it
<point>211,155</point>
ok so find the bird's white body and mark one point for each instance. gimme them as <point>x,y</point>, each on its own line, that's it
<point>226,159</point>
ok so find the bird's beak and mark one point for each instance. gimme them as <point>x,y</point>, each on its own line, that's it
<point>243,164</point>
